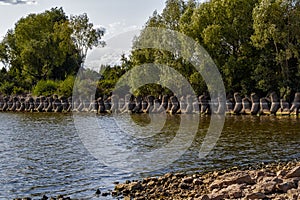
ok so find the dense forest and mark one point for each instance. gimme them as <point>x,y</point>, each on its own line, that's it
<point>254,43</point>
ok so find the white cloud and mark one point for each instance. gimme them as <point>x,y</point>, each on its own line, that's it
<point>16,2</point>
<point>117,44</point>
<point>117,28</point>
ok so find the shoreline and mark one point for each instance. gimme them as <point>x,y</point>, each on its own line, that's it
<point>280,180</point>
<point>272,181</point>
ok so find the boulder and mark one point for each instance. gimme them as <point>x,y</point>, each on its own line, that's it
<point>295,172</point>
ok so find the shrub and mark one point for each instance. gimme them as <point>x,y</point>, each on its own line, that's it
<point>45,88</point>
<point>66,87</point>
<point>18,90</point>
<point>6,88</point>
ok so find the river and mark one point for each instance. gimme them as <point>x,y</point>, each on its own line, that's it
<point>45,153</point>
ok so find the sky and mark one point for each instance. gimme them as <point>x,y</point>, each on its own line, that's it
<point>120,18</point>
<point>114,15</point>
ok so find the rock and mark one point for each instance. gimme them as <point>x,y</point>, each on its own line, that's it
<point>151,184</point>
<point>134,186</point>
<point>232,178</point>
<point>120,187</point>
<point>281,173</point>
<point>259,174</point>
<point>98,191</point>
<point>294,173</point>
<point>44,197</point>
<point>266,187</point>
<point>294,194</point>
<point>284,187</point>
<point>203,197</point>
<point>217,196</point>
<point>105,194</point>
<point>235,191</point>
<point>277,180</point>
<point>256,195</point>
<point>197,181</point>
<point>184,186</point>
<point>188,180</point>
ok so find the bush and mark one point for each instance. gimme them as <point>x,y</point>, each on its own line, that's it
<point>66,86</point>
<point>45,88</point>
<point>18,90</point>
<point>6,88</point>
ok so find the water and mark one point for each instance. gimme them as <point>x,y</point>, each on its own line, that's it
<point>42,153</point>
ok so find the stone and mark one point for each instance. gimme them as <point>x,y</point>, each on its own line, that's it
<point>232,178</point>
<point>256,195</point>
<point>266,187</point>
<point>295,172</point>
<point>285,186</point>
<point>197,181</point>
<point>151,184</point>
<point>120,187</point>
<point>294,194</point>
<point>216,196</point>
<point>277,180</point>
<point>235,191</point>
<point>204,197</point>
<point>134,186</point>
<point>184,186</point>
<point>188,180</point>
<point>281,173</point>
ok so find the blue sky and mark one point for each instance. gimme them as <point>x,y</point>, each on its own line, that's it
<point>114,15</point>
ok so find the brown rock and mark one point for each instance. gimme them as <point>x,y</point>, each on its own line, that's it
<point>134,186</point>
<point>197,181</point>
<point>217,196</point>
<point>232,178</point>
<point>294,173</point>
<point>235,191</point>
<point>120,187</point>
<point>204,197</point>
<point>281,173</point>
<point>266,187</point>
<point>294,194</point>
<point>256,195</point>
<point>277,180</point>
<point>285,186</point>
<point>259,175</point>
<point>151,184</point>
<point>188,180</point>
<point>184,186</point>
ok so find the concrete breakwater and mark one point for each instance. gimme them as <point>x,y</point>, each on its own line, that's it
<point>253,105</point>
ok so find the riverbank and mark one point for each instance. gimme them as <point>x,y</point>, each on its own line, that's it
<point>273,181</point>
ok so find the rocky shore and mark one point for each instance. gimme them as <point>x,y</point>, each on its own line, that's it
<point>274,181</point>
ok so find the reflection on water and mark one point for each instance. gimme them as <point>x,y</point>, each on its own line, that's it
<point>42,153</point>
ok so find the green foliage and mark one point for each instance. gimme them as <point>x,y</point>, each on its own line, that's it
<point>6,87</point>
<point>45,88</point>
<point>46,46</point>
<point>84,35</point>
<point>66,87</point>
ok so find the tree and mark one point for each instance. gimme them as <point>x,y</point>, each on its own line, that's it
<point>40,46</point>
<point>224,28</point>
<point>277,26</point>
<point>84,35</point>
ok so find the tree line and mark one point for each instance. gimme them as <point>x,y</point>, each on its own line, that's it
<point>254,43</point>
